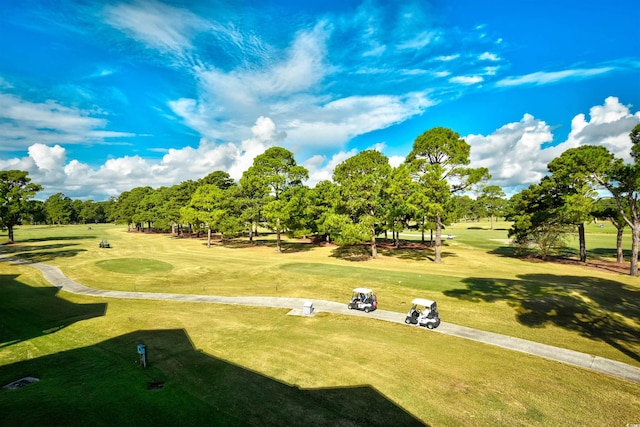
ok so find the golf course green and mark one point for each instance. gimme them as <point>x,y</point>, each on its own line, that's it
<point>228,365</point>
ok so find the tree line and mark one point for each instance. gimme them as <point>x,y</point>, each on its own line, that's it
<point>365,197</point>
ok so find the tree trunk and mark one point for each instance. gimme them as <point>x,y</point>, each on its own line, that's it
<point>583,245</point>
<point>492,222</point>
<point>374,250</point>
<point>438,259</point>
<point>208,237</point>
<point>635,233</point>
<point>10,233</point>
<point>278,236</point>
<point>619,252</point>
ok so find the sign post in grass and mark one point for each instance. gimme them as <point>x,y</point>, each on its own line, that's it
<point>142,351</point>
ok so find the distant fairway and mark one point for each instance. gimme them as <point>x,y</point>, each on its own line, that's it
<point>230,365</point>
<point>134,265</point>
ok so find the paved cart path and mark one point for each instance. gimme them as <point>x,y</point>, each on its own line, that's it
<point>575,358</point>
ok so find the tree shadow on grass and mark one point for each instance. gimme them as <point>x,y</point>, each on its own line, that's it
<point>608,253</point>
<point>54,238</point>
<point>180,386</point>
<point>288,246</point>
<point>29,312</point>
<point>41,253</point>
<point>408,251</point>
<point>600,254</point>
<point>412,254</point>
<point>415,251</point>
<point>505,251</point>
<point>598,309</point>
<point>353,253</point>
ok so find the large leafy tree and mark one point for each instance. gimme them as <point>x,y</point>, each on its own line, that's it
<point>252,197</point>
<point>58,208</point>
<point>438,163</point>
<point>621,179</point>
<point>220,179</point>
<point>362,180</point>
<point>272,175</point>
<point>576,191</point>
<point>492,201</point>
<point>129,208</point>
<point>203,208</point>
<point>322,199</point>
<point>537,220</point>
<point>91,211</point>
<point>398,210</point>
<point>178,197</point>
<point>16,192</point>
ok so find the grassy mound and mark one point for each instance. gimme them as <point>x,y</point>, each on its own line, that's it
<point>134,265</point>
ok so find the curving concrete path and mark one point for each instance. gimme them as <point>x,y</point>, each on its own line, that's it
<point>575,358</point>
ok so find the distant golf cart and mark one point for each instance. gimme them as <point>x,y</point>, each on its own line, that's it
<point>363,299</point>
<point>423,312</point>
<point>104,244</point>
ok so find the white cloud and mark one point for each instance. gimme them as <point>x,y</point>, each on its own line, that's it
<point>542,78</point>
<point>320,169</point>
<point>487,56</point>
<point>447,58</point>
<point>396,161</point>
<point>289,92</point>
<point>155,24</point>
<point>515,155</point>
<point>336,122</point>
<point>513,152</point>
<point>609,126</point>
<point>23,122</point>
<point>466,80</point>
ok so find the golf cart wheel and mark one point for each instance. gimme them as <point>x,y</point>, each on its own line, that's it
<point>350,307</point>
<point>407,321</point>
<point>367,309</point>
<point>430,325</point>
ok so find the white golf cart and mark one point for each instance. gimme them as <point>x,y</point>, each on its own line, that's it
<point>424,312</point>
<point>363,299</point>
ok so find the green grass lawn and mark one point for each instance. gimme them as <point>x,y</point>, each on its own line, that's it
<point>224,365</point>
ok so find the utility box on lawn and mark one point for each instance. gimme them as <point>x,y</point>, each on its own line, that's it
<point>307,308</point>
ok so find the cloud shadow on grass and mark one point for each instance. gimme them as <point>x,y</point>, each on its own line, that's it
<point>596,308</point>
<point>197,389</point>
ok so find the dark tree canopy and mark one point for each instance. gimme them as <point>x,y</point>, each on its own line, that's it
<point>16,191</point>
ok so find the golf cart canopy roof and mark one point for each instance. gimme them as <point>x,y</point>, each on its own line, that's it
<point>363,290</point>
<point>422,301</point>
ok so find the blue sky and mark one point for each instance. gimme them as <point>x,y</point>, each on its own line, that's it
<point>99,97</point>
